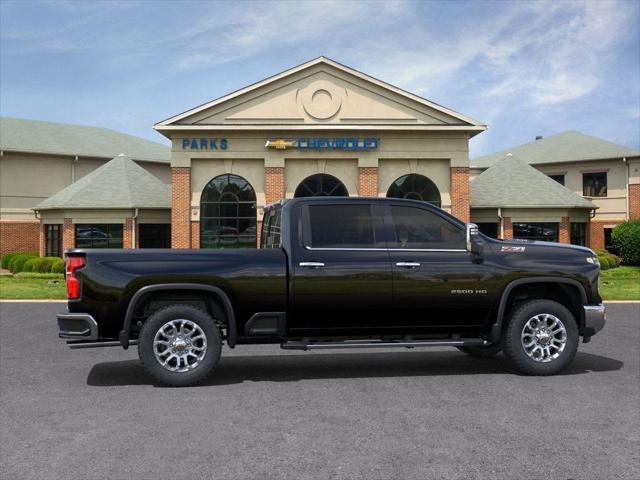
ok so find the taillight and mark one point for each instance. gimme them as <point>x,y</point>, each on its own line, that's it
<point>73,284</point>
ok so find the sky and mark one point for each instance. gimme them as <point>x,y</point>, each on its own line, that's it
<point>523,68</point>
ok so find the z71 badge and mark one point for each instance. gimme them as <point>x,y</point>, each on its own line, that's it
<point>510,249</point>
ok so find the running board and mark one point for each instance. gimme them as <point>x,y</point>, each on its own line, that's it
<point>461,342</point>
<point>74,344</point>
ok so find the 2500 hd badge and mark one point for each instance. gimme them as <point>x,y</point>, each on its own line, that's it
<point>335,273</point>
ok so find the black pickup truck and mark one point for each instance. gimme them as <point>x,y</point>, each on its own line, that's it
<point>338,273</point>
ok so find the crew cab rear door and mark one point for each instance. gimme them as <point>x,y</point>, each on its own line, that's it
<point>342,274</point>
<point>435,282</point>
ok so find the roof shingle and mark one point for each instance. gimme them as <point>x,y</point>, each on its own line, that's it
<point>568,146</point>
<point>119,183</point>
<point>512,183</point>
<point>34,136</point>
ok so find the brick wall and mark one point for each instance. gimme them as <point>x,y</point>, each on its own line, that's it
<point>127,232</point>
<point>19,236</point>
<point>41,240</point>
<point>273,184</point>
<point>564,234</point>
<point>68,234</point>
<point>634,201</point>
<point>180,207</point>
<point>195,234</point>
<point>259,234</point>
<point>460,193</point>
<point>508,228</point>
<point>368,181</point>
<point>596,234</point>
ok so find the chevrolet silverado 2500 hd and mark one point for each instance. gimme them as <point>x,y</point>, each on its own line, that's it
<point>338,273</point>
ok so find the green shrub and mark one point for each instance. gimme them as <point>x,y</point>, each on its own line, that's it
<point>604,263</point>
<point>29,264</point>
<point>43,265</point>
<point>626,238</point>
<point>601,251</point>
<point>57,266</point>
<point>9,256</point>
<point>17,263</point>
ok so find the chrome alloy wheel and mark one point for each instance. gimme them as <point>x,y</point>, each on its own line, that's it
<point>180,345</point>
<point>544,337</point>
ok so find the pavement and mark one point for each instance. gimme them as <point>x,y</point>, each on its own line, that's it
<point>267,413</point>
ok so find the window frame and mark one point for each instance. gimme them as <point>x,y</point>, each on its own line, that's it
<point>48,239</point>
<point>606,184</point>
<point>582,233</point>
<point>537,238</point>
<point>93,225</point>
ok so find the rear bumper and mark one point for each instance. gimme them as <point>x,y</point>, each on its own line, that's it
<point>80,326</point>
<point>594,319</point>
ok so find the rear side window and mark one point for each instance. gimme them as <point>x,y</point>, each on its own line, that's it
<point>416,228</point>
<point>271,229</point>
<point>341,226</point>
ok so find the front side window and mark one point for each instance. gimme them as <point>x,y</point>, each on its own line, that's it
<point>341,226</point>
<point>107,235</point>
<point>271,229</point>
<point>594,184</point>
<point>547,232</point>
<point>228,213</point>
<point>578,233</point>
<point>53,240</point>
<point>416,228</point>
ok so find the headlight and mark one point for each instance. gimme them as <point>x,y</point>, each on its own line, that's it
<point>593,260</point>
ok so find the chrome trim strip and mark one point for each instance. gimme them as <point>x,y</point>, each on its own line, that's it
<point>311,264</point>
<point>458,250</point>
<point>407,264</point>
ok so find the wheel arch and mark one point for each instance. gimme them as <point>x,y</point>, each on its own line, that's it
<point>579,296</point>
<point>140,295</point>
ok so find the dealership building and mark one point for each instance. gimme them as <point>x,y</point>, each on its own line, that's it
<point>317,129</point>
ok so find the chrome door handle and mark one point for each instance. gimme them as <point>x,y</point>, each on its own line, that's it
<point>407,264</point>
<point>311,264</point>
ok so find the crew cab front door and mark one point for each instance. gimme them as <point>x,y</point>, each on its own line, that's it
<point>435,282</point>
<point>342,273</point>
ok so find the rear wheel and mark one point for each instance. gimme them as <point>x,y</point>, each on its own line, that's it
<point>541,338</point>
<point>489,351</point>
<point>179,345</point>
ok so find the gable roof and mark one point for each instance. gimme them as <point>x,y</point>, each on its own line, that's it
<point>119,183</point>
<point>570,146</point>
<point>174,121</point>
<point>34,136</point>
<point>511,182</point>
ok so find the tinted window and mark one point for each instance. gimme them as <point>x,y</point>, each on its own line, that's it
<point>341,226</point>
<point>579,234</point>
<point>594,184</point>
<point>53,240</point>
<point>99,235</point>
<point>489,229</point>
<point>547,232</point>
<point>271,229</point>
<point>421,229</point>
<point>154,235</point>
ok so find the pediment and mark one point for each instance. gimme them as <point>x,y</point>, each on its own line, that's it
<point>320,93</point>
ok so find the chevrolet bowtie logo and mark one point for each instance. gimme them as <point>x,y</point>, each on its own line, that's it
<point>280,144</point>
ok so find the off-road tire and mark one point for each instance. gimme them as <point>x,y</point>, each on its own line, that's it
<point>489,351</point>
<point>179,379</point>
<point>513,346</point>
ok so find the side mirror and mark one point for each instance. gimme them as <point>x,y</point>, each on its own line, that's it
<point>474,243</point>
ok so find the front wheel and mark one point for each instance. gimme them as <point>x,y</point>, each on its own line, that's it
<point>179,345</point>
<point>541,338</point>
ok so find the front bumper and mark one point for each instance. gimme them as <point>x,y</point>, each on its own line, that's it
<point>594,319</point>
<point>78,326</point>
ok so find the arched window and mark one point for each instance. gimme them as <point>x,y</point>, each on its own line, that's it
<point>228,213</point>
<point>415,187</point>
<point>321,185</point>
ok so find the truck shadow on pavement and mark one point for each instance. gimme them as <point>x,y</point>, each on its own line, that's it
<point>234,369</point>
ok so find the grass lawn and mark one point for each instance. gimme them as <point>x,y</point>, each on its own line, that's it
<point>12,288</point>
<point>622,283</point>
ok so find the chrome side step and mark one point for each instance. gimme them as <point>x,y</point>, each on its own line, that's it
<point>74,344</point>
<point>460,342</point>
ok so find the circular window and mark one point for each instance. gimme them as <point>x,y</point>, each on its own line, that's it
<point>415,187</point>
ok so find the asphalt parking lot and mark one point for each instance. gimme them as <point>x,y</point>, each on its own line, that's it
<point>267,413</point>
